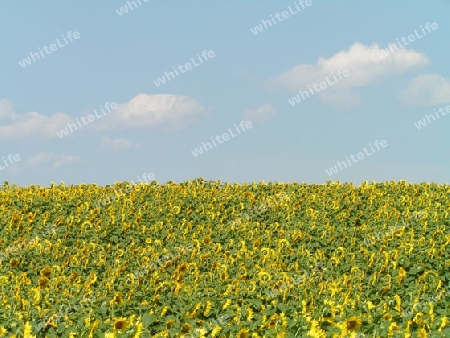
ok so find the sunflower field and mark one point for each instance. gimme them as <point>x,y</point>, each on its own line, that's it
<point>215,259</point>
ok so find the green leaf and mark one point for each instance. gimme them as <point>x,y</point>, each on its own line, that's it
<point>148,319</point>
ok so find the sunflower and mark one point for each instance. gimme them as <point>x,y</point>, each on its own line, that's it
<point>227,304</point>
<point>273,320</point>
<point>422,333</point>
<point>223,276</point>
<point>73,276</point>
<point>387,316</point>
<point>176,209</point>
<point>393,327</point>
<point>283,243</point>
<point>243,333</point>
<point>169,324</point>
<point>207,308</point>
<point>353,323</point>
<point>28,331</point>
<point>399,232</point>
<point>264,276</point>
<point>14,262</point>
<point>265,251</point>
<point>118,298</point>
<point>45,272</point>
<point>43,282</point>
<point>183,267</point>
<point>94,327</point>
<point>120,324</point>
<point>215,331</point>
<point>401,275</point>
<point>164,310</point>
<point>256,243</point>
<point>444,323</point>
<point>253,288</point>
<point>250,314</point>
<point>186,328</point>
<point>315,331</point>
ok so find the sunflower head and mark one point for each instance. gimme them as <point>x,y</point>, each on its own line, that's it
<point>243,333</point>
<point>45,272</point>
<point>169,324</point>
<point>183,267</point>
<point>118,298</point>
<point>353,323</point>
<point>256,243</point>
<point>72,276</point>
<point>223,276</point>
<point>14,262</point>
<point>186,328</point>
<point>422,333</point>
<point>176,210</point>
<point>387,316</point>
<point>43,282</point>
<point>120,324</point>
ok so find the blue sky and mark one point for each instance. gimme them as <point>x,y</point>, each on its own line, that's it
<point>117,58</point>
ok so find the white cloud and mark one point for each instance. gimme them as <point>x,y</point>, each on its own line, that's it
<point>118,144</point>
<point>364,63</point>
<point>261,114</point>
<point>28,125</point>
<point>173,111</point>
<point>427,90</point>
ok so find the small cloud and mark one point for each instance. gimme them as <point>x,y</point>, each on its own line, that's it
<point>31,124</point>
<point>261,114</point>
<point>427,90</point>
<point>173,111</point>
<point>366,65</point>
<point>118,144</point>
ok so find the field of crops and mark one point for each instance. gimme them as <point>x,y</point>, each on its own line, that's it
<point>212,259</point>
